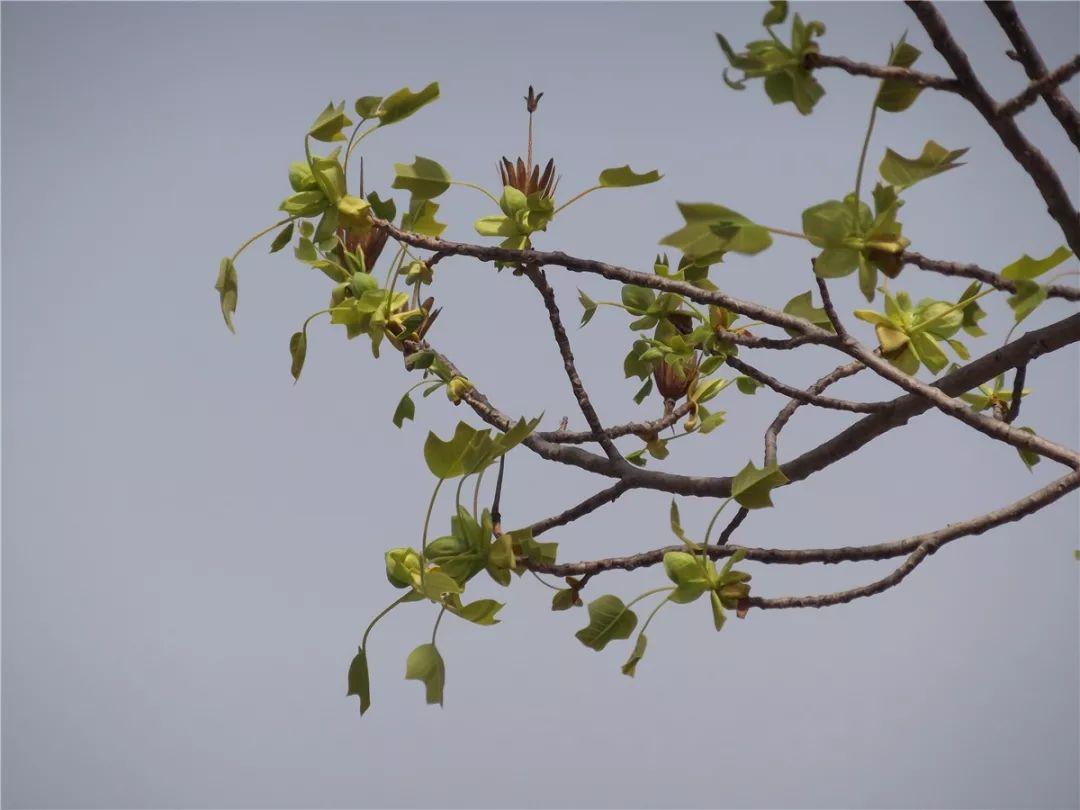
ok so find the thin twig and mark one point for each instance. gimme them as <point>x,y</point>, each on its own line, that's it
<point>820,60</point>
<point>1028,56</point>
<point>1039,87</point>
<point>1017,394</point>
<point>806,397</point>
<point>976,273</point>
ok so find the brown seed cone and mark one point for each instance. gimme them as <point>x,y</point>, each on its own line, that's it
<point>672,383</point>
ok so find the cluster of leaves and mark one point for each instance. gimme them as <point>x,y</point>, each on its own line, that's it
<point>677,348</point>
<point>693,573</point>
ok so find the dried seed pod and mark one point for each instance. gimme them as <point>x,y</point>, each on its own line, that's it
<point>673,383</point>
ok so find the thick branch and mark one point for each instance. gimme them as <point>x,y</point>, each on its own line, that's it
<point>976,273</point>
<point>1033,161</point>
<point>820,60</point>
<point>1035,67</point>
<point>541,258</point>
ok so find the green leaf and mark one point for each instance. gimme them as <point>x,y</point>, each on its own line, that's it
<point>589,307</point>
<point>421,218</point>
<point>1026,268</point>
<point>609,619</point>
<point>301,178</point>
<point>1029,295</point>
<point>747,385</point>
<point>717,611</point>
<point>425,664</point>
<point>688,574</point>
<point>776,14</point>
<point>298,351</point>
<point>482,611</point>
<point>624,177</point>
<point>436,584</point>
<point>676,525</point>
<point>406,409</point>
<point>713,230</point>
<point>644,391</point>
<point>367,106</point>
<point>752,486</point>
<point>423,178</point>
<point>896,95</point>
<point>227,287</point>
<point>358,682</point>
<point>403,103</point>
<point>630,667</point>
<point>447,459</point>
<point>638,299</point>
<point>905,172</point>
<point>328,125</point>
<point>1029,458</point>
<point>305,204</point>
<point>564,599</point>
<point>283,238</point>
<point>802,306</point>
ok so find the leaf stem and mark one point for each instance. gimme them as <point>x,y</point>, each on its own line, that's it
<point>353,143</point>
<point>575,198</point>
<point>435,629</point>
<point>479,188</point>
<point>349,148</point>
<point>543,581</point>
<point>387,609</point>
<point>862,156</point>
<point>263,232</point>
<point>423,537</point>
<point>634,601</point>
<point>712,522</point>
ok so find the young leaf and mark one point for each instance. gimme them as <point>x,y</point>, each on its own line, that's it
<point>447,459</point>
<point>1026,268</point>
<point>227,287</point>
<point>403,103</point>
<point>776,14</point>
<point>564,599</point>
<point>713,230</point>
<point>905,172</point>
<point>717,611</point>
<point>328,125</point>
<point>421,218</point>
<point>624,177</point>
<point>482,611</point>
<point>425,664</point>
<point>298,351</point>
<point>366,106</point>
<point>747,385</point>
<point>802,306</point>
<point>283,238</point>
<point>609,619</point>
<point>644,391</point>
<point>358,681</point>
<point>406,409</point>
<point>1029,458</point>
<point>305,204</point>
<point>896,95</point>
<point>686,571</point>
<point>1029,294</point>
<point>423,178</point>
<point>630,667</point>
<point>752,486</point>
<point>589,307</point>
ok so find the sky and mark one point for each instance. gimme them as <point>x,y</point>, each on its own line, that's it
<point>192,545</point>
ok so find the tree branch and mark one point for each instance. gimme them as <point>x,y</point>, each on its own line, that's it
<point>806,397</point>
<point>590,504</point>
<point>1028,56</point>
<point>1033,161</point>
<point>1051,81</point>
<point>880,551</point>
<point>536,276</point>
<point>814,61</point>
<point>977,273</point>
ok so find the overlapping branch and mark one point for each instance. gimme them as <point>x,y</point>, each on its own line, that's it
<point>880,417</point>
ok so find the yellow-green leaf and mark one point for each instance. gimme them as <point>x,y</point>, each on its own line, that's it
<point>425,664</point>
<point>624,177</point>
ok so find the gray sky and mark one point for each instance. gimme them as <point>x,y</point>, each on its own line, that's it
<point>192,546</point>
